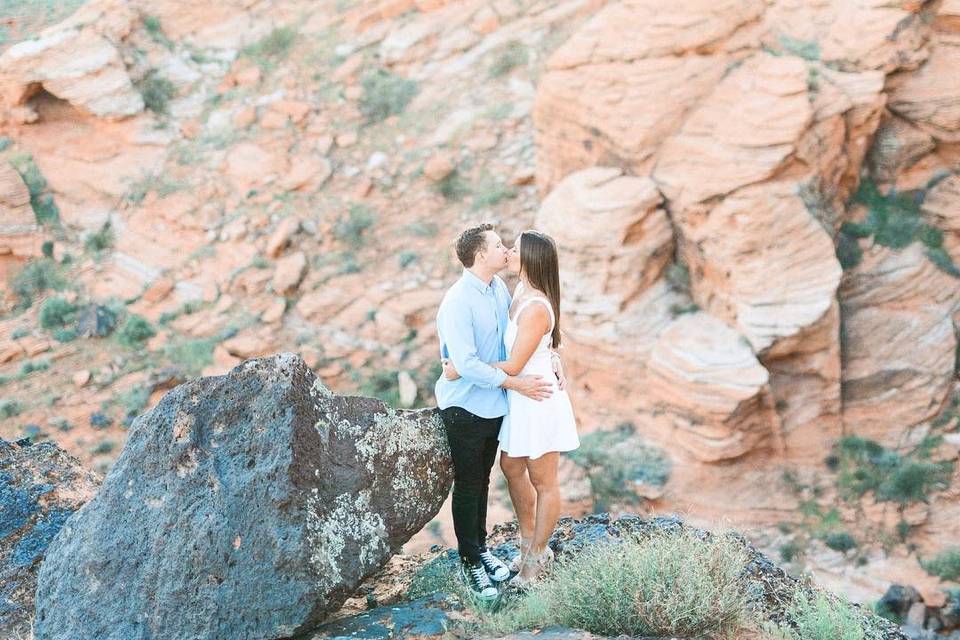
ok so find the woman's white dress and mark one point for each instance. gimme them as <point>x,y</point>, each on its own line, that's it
<point>532,428</point>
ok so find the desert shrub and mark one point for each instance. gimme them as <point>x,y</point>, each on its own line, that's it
<point>135,331</point>
<point>614,461</point>
<point>351,227</point>
<point>36,277</point>
<point>103,447</point>
<point>382,384</point>
<point>667,584</point>
<point>100,240</point>
<point>272,47</point>
<point>157,92</point>
<point>385,94</point>
<point>945,564</point>
<point>452,187</point>
<point>45,210</point>
<point>30,366</point>
<point>840,541</point>
<point>9,408</point>
<point>192,354</point>
<point>489,192</point>
<point>514,54</point>
<point>56,312</point>
<point>818,618</point>
<point>406,258</point>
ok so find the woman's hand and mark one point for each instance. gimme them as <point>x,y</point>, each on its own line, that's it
<point>449,371</point>
<point>558,370</point>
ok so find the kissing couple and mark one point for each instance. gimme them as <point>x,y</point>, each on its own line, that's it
<point>503,386</point>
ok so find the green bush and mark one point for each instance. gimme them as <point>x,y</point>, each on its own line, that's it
<point>385,94</point>
<point>36,277</point>
<point>513,55</point>
<point>668,584</point>
<point>819,618</point>
<point>351,227</point>
<point>30,366</point>
<point>614,461</point>
<point>384,385</point>
<point>10,408</point>
<point>192,355</point>
<point>452,187</point>
<point>841,541</point>
<point>56,312</point>
<point>490,192</point>
<point>406,258</point>
<point>790,550</point>
<point>44,208</point>
<point>272,47</point>
<point>157,92</point>
<point>863,465</point>
<point>101,240</point>
<point>135,331</point>
<point>945,564</point>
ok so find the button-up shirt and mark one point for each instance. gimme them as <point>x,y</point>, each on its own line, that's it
<point>470,322</point>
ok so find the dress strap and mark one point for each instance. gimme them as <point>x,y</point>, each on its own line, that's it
<point>537,299</point>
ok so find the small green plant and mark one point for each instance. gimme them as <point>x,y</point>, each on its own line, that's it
<point>490,192</point>
<point>406,258</point>
<point>56,312</point>
<point>134,400</point>
<point>384,385</point>
<point>100,240</point>
<point>422,229</point>
<point>103,447</point>
<point>816,617</point>
<point>36,277</point>
<point>350,228</point>
<point>452,187</point>
<point>148,183</point>
<point>9,408</point>
<point>157,92</point>
<point>894,221</point>
<point>272,47</point>
<point>514,54</point>
<point>806,49</point>
<point>135,331</point>
<point>192,355</point>
<point>30,366</point>
<point>152,25</point>
<point>841,541</point>
<point>790,551</point>
<point>614,461</point>
<point>945,564</point>
<point>385,94</point>
<point>44,208</point>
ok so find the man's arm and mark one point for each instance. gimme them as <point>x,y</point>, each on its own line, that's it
<point>457,331</point>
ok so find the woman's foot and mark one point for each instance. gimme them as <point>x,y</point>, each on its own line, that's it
<point>533,567</point>
<point>517,563</point>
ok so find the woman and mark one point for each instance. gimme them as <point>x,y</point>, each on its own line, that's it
<point>533,432</point>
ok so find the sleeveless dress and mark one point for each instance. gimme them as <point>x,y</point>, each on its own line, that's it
<point>532,428</point>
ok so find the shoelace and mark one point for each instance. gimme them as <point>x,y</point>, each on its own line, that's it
<point>489,557</point>
<point>481,575</point>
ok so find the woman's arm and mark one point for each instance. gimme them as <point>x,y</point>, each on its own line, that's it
<point>531,326</point>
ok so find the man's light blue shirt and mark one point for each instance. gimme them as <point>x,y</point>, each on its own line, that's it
<point>470,322</point>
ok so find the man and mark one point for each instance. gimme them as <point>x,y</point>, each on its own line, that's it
<point>470,322</point>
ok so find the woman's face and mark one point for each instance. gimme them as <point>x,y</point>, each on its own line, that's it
<point>513,257</point>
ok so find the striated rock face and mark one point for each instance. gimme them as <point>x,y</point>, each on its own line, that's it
<point>616,241</point>
<point>78,60</point>
<point>19,232</point>
<point>930,96</point>
<point>899,343</point>
<point>623,83</point>
<point>248,505</point>
<point>715,390</point>
<point>40,487</point>
<point>942,206</point>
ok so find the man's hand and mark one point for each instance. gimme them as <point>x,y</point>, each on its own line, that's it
<point>449,371</point>
<point>534,387</point>
<point>558,370</point>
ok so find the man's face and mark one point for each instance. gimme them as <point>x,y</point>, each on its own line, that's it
<point>494,255</point>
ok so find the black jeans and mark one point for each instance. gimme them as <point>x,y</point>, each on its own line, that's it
<point>473,446</point>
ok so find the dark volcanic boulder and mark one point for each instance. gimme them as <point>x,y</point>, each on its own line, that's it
<point>247,505</point>
<point>40,486</point>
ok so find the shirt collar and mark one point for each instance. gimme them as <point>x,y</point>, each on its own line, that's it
<point>476,282</point>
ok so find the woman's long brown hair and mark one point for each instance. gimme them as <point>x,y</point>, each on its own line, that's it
<point>538,261</point>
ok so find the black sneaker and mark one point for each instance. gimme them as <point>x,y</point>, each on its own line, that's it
<point>475,575</point>
<point>497,571</point>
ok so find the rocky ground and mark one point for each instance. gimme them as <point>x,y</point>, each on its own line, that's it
<point>756,204</point>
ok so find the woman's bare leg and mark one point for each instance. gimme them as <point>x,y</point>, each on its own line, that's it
<point>522,494</point>
<point>543,476</point>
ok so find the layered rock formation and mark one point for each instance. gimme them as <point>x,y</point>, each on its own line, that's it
<point>245,505</point>
<point>754,127</point>
<point>40,487</point>
<point>20,239</point>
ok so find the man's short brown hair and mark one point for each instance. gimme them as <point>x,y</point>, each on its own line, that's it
<point>472,241</point>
